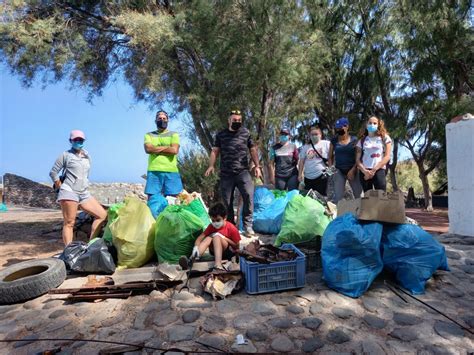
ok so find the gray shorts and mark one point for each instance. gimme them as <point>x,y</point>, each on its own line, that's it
<point>79,197</point>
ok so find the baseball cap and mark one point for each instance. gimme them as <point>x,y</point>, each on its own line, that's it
<point>343,121</point>
<point>77,134</point>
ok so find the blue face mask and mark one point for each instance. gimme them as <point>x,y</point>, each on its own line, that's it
<point>77,145</point>
<point>372,128</point>
<point>283,139</point>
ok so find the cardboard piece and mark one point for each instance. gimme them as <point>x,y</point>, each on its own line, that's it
<point>376,205</point>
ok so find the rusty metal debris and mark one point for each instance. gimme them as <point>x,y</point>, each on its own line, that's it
<point>266,253</point>
<point>114,291</point>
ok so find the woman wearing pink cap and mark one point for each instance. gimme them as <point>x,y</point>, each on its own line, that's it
<point>72,186</point>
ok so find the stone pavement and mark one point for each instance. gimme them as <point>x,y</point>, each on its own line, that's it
<point>312,319</point>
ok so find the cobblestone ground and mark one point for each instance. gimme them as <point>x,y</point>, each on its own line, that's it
<point>312,319</point>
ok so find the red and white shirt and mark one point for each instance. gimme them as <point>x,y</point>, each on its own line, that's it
<point>373,150</point>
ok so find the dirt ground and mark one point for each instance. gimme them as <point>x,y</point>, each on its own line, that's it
<point>28,234</point>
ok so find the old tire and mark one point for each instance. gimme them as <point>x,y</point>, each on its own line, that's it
<point>30,279</point>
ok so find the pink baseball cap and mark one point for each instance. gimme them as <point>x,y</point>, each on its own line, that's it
<point>77,134</point>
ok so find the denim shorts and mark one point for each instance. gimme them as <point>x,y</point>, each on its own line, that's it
<point>79,197</point>
<point>158,182</point>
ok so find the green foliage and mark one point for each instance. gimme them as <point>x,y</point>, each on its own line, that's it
<point>277,61</point>
<point>407,176</point>
<point>192,167</point>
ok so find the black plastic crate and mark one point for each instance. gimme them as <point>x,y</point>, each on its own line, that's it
<point>312,250</point>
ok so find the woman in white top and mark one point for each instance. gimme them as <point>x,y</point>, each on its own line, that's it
<point>373,154</point>
<point>313,162</point>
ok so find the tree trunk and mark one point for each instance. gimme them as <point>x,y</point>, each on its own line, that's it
<point>426,187</point>
<point>393,166</point>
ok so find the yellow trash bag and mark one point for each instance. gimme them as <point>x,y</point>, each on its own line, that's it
<point>133,234</point>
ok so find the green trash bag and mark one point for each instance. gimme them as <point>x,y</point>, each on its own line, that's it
<point>111,216</point>
<point>133,234</point>
<point>176,230</point>
<point>304,219</point>
<point>196,207</point>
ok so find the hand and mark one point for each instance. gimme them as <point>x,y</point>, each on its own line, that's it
<point>209,171</point>
<point>258,173</point>
<point>372,173</point>
<point>57,184</point>
<point>195,254</point>
<point>351,174</point>
<point>272,181</point>
<point>300,178</point>
<point>367,175</point>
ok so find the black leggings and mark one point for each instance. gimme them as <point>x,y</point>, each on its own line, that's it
<point>319,184</point>
<point>288,183</point>
<point>378,182</point>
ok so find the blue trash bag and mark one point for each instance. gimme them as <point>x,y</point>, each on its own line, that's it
<point>413,255</point>
<point>269,220</point>
<point>157,203</point>
<point>350,254</point>
<point>262,199</point>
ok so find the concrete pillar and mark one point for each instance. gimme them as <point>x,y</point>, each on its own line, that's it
<point>460,164</point>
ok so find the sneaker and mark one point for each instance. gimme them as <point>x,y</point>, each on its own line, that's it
<point>249,232</point>
<point>183,262</point>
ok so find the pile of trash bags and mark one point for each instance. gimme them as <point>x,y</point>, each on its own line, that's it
<point>354,252</point>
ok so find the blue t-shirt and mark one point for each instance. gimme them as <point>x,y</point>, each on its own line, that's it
<point>344,153</point>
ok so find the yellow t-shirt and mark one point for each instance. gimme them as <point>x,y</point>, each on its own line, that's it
<point>161,162</point>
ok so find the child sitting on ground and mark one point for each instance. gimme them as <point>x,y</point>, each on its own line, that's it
<point>221,237</point>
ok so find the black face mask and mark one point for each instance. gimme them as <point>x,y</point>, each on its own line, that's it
<point>161,124</point>
<point>340,132</point>
<point>235,125</point>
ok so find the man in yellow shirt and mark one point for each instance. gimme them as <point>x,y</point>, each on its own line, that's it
<point>162,147</point>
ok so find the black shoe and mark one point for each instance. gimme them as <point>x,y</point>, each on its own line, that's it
<point>183,262</point>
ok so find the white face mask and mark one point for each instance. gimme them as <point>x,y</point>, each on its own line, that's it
<point>218,225</point>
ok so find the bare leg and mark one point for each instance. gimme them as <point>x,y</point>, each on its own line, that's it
<point>205,243</point>
<point>219,245</point>
<point>69,209</point>
<point>94,208</point>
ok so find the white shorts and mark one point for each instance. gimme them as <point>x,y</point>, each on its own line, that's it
<point>79,197</point>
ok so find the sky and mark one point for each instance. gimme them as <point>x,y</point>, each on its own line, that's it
<point>35,125</point>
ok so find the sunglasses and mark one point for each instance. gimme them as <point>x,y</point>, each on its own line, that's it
<point>235,112</point>
<point>80,140</point>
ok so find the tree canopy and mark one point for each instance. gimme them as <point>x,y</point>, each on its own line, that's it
<point>280,62</point>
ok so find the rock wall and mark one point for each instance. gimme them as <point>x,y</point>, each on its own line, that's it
<point>20,191</point>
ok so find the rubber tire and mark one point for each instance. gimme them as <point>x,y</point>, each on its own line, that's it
<point>36,284</point>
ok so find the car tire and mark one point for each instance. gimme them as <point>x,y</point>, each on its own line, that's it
<point>30,279</point>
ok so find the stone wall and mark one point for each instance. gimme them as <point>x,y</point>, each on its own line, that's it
<point>116,192</point>
<point>20,191</point>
